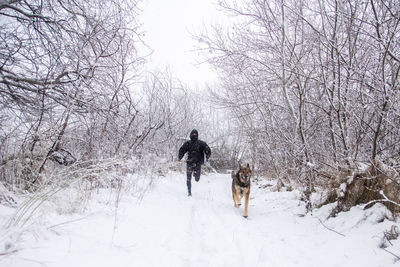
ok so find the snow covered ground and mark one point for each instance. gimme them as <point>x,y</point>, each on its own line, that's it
<point>167,228</point>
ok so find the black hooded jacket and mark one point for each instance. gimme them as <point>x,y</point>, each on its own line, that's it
<point>195,148</point>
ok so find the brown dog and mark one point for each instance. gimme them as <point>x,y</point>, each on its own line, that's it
<point>241,187</point>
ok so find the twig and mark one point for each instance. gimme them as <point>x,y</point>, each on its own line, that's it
<point>330,228</point>
<point>8,252</point>
<point>66,222</point>
<point>397,257</point>
<point>387,199</point>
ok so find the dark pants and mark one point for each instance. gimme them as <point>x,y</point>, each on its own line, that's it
<point>195,169</point>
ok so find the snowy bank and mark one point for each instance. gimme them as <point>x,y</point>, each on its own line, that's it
<point>167,228</point>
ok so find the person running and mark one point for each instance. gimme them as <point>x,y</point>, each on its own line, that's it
<point>196,150</point>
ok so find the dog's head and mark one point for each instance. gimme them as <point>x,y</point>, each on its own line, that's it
<point>244,174</point>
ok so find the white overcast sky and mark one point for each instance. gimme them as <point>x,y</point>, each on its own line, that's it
<point>168,24</point>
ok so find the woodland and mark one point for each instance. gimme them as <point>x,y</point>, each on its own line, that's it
<point>307,93</point>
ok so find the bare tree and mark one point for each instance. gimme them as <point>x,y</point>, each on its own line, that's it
<point>314,82</point>
<point>63,64</point>
<point>170,104</point>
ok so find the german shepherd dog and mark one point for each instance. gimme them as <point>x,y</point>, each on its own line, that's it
<point>241,187</point>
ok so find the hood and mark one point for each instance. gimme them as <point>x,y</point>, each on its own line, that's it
<point>194,135</point>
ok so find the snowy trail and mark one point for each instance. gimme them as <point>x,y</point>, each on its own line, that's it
<point>167,228</point>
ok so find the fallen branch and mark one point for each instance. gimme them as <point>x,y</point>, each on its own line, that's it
<point>330,228</point>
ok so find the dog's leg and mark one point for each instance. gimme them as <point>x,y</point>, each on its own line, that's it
<point>234,193</point>
<point>246,203</point>
<point>240,196</point>
<point>235,199</point>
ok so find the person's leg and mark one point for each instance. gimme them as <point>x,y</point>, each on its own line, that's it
<point>189,171</point>
<point>197,172</point>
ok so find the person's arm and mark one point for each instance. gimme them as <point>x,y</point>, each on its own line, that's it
<point>182,150</point>
<point>207,151</point>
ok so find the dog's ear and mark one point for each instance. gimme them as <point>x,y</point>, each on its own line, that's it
<point>248,165</point>
<point>240,166</point>
<point>233,175</point>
